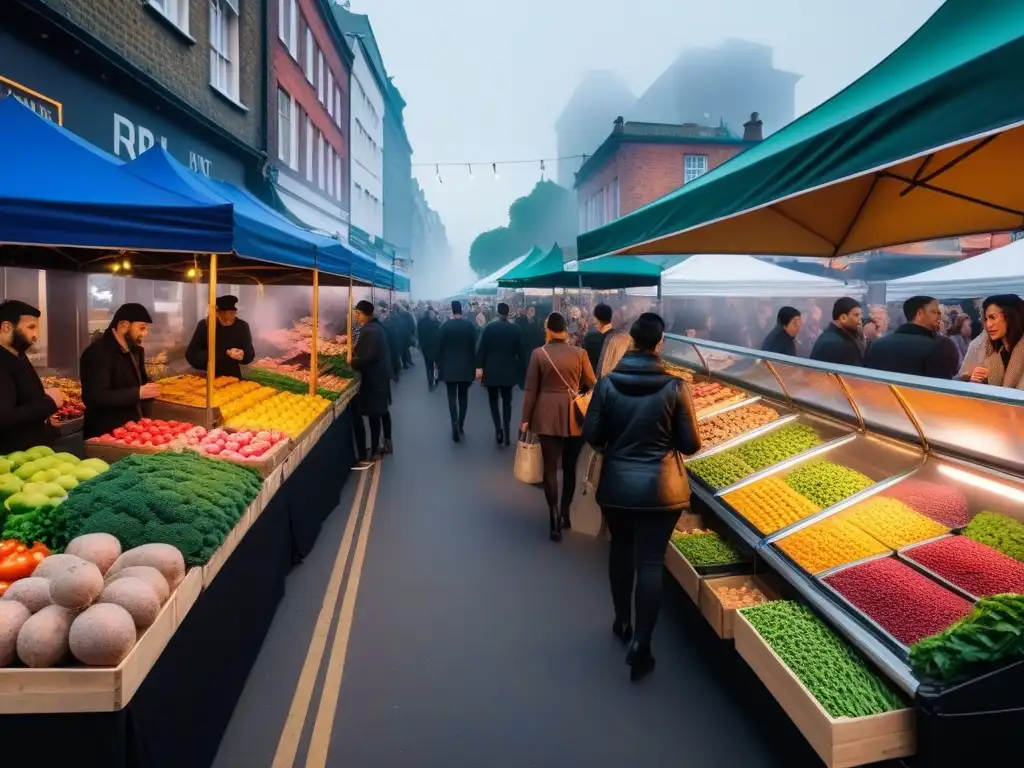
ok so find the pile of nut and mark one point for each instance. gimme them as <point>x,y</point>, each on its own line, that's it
<point>744,596</point>
<point>726,426</point>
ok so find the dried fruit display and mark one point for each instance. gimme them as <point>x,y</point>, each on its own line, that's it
<point>828,544</point>
<point>299,338</point>
<point>191,390</point>
<point>906,604</point>
<point>893,523</point>
<point>720,470</point>
<point>746,595</point>
<point>829,668</point>
<point>975,568</point>
<point>770,505</point>
<point>942,503</point>
<point>778,445</point>
<point>726,426</point>
<point>679,372</point>
<point>1004,534</point>
<point>991,634</point>
<point>71,391</point>
<point>710,394</point>
<point>827,483</point>
<point>705,548</point>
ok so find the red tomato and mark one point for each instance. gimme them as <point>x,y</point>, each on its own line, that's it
<point>146,436</point>
<point>120,432</point>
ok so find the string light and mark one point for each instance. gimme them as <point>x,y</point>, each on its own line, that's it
<point>492,163</point>
<point>126,265</point>
<point>437,170</point>
<point>470,167</point>
<point>494,167</point>
<point>542,170</point>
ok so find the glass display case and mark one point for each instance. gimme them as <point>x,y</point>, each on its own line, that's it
<point>867,490</point>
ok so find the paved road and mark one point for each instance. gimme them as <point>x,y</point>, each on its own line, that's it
<point>477,643</point>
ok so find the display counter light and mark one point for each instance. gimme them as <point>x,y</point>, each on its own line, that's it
<point>982,483</point>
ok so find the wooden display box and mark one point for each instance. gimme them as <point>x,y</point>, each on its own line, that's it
<point>689,521</point>
<point>190,414</point>
<point>266,464</point>
<point>683,572</point>
<point>65,428</point>
<point>98,689</point>
<point>111,452</point>
<point>719,617</point>
<point>234,538</point>
<point>840,742</point>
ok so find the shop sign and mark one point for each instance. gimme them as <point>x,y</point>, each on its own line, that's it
<point>46,108</point>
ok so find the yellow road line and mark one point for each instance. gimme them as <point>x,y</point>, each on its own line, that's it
<point>288,745</point>
<point>320,741</point>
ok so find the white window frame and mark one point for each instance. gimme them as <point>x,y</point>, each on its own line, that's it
<point>321,147</point>
<point>287,129</point>
<point>175,11</point>
<point>288,26</point>
<point>224,47</point>
<point>311,48</point>
<point>329,163</point>
<point>321,79</point>
<point>337,175</point>
<point>310,155</point>
<point>329,93</point>
<point>694,166</point>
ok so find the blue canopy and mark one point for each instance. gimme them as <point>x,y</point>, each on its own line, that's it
<point>58,190</point>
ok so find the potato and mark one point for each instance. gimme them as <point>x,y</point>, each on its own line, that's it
<point>148,574</point>
<point>33,593</point>
<point>77,587</point>
<point>102,635</point>
<point>55,564</point>
<point>135,596</point>
<point>13,616</point>
<point>163,557</point>
<point>101,549</point>
<point>43,639</point>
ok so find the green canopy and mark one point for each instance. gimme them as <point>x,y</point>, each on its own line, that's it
<point>928,144</point>
<point>537,263</point>
<point>607,274</point>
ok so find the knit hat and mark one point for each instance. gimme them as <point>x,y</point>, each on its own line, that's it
<point>132,313</point>
<point>456,307</point>
<point>365,307</point>
<point>227,303</point>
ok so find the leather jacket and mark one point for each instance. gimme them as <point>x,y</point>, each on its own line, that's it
<point>643,420</point>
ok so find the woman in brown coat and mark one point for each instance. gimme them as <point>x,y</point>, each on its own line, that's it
<point>556,374</point>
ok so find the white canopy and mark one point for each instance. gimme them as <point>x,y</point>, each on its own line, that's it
<point>998,271</point>
<point>490,283</point>
<point>745,277</point>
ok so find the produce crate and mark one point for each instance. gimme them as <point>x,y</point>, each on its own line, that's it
<point>69,427</point>
<point>266,464</point>
<point>689,521</point>
<point>840,742</point>
<point>719,617</point>
<point>111,452</point>
<point>683,572</point>
<point>98,689</point>
<point>190,414</point>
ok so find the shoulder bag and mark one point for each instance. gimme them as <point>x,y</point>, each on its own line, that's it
<point>578,403</point>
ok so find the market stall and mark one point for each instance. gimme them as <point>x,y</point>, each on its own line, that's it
<point>888,509</point>
<point>489,285</point>
<point>998,271</point>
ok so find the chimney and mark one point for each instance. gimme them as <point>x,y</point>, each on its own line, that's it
<point>619,123</point>
<point>752,128</point>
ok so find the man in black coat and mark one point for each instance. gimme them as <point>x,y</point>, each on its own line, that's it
<point>916,347</point>
<point>394,335</point>
<point>430,339</point>
<point>840,343</point>
<point>456,357</point>
<point>233,340</point>
<point>407,327</point>
<point>782,338</point>
<point>500,356</point>
<point>25,405</point>
<point>371,359</point>
<point>594,339</point>
<point>533,335</point>
<point>115,387</point>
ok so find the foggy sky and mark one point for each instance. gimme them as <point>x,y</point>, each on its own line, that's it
<point>485,80</point>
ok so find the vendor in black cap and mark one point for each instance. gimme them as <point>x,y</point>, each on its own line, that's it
<point>115,386</point>
<point>234,341</point>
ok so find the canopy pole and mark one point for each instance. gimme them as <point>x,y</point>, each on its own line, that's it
<point>313,365</point>
<point>348,330</point>
<point>211,339</point>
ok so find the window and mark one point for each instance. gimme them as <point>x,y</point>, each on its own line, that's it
<point>320,85</point>
<point>329,93</point>
<point>288,25</point>
<point>175,11</point>
<point>330,170</point>
<point>694,166</point>
<point>337,177</point>
<point>337,107</point>
<point>309,149</point>
<point>616,204</point>
<point>287,129</point>
<point>320,159</point>
<point>224,47</point>
<point>310,56</point>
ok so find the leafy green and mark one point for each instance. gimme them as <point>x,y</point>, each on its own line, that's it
<point>993,632</point>
<point>47,524</point>
<point>284,383</point>
<point>1002,533</point>
<point>705,548</point>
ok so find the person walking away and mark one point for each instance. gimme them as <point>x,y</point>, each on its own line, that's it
<point>371,359</point>
<point>840,343</point>
<point>407,325</point>
<point>782,338</point>
<point>533,335</point>
<point>456,358</point>
<point>25,405</point>
<point>115,386</point>
<point>499,358</point>
<point>394,337</point>
<point>916,347</point>
<point>996,357</point>
<point>642,418</point>
<point>555,375</point>
<point>234,341</point>
<point>429,332</point>
<point>594,339</point>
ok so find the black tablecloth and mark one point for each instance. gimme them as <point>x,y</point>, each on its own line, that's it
<point>177,717</point>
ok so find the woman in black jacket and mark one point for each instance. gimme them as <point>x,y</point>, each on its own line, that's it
<point>642,418</point>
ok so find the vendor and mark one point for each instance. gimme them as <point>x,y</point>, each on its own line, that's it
<point>25,406</point>
<point>115,386</point>
<point>234,341</point>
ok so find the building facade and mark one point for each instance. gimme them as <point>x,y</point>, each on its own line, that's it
<point>367,133</point>
<point>580,128</point>
<point>640,162</point>
<point>308,113</point>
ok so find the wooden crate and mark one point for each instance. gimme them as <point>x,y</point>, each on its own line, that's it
<point>111,452</point>
<point>689,521</point>
<point>162,409</point>
<point>266,464</point>
<point>98,689</point>
<point>719,617</point>
<point>840,742</point>
<point>683,572</point>
<point>69,427</point>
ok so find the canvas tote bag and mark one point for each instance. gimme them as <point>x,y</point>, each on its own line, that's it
<point>529,464</point>
<point>584,512</point>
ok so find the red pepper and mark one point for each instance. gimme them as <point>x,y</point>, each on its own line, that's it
<point>18,561</point>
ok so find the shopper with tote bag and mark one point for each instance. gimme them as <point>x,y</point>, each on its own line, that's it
<point>551,410</point>
<point>642,418</point>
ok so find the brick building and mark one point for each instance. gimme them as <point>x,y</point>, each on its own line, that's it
<point>640,162</point>
<point>308,112</point>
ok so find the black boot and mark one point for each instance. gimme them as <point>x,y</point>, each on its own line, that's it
<point>623,630</point>
<point>455,433</point>
<point>508,433</point>
<point>388,447</point>
<point>566,523</point>
<point>556,524</point>
<point>499,437</point>
<point>640,660</point>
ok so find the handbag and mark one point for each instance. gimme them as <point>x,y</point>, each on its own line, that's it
<point>578,403</point>
<point>529,464</point>
<point>584,512</point>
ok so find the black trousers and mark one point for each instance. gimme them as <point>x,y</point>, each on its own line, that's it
<point>560,452</point>
<point>431,381</point>
<point>504,420</point>
<point>460,390</point>
<point>639,539</point>
<point>359,430</point>
<point>376,422</point>
<point>407,357</point>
